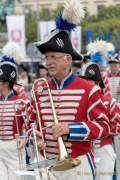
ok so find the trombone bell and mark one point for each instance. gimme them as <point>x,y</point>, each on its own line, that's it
<point>65,164</point>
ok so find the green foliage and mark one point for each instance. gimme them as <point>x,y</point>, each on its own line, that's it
<point>56,11</point>
<point>106,20</point>
<point>31,28</point>
<point>47,14</point>
<point>109,12</point>
<point>44,15</point>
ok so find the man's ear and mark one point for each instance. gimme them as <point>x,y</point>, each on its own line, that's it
<point>69,58</point>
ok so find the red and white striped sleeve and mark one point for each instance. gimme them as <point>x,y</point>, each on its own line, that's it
<point>20,90</point>
<point>106,90</point>
<point>114,117</point>
<point>97,115</point>
<point>97,125</point>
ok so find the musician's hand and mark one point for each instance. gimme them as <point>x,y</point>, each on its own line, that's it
<point>60,129</point>
<point>21,143</point>
<point>41,145</point>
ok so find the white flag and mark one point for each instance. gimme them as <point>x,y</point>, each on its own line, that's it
<point>76,39</point>
<point>45,28</point>
<point>16,30</point>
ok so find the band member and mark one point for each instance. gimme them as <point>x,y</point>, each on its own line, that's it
<point>114,78</point>
<point>11,120</point>
<point>81,114</point>
<point>100,51</point>
<point>114,81</point>
<point>103,149</point>
<point>42,72</point>
<point>80,111</point>
<point>12,49</point>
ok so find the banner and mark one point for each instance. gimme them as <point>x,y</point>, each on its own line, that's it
<point>76,39</point>
<point>45,27</point>
<point>16,30</point>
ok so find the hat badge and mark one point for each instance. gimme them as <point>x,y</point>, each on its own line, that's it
<point>91,71</point>
<point>59,42</point>
<point>13,74</point>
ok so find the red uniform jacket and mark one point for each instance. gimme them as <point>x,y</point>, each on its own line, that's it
<point>12,117</point>
<point>114,118</point>
<point>78,104</point>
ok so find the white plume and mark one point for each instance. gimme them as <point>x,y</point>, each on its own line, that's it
<point>13,50</point>
<point>110,47</point>
<point>73,11</point>
<point>98,46</point>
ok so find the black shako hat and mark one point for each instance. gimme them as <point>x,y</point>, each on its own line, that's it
<point>58,41</point>
<point>114,59</point>
<point>8,69</point>
<point>92,72</point>
<point>86,57</point>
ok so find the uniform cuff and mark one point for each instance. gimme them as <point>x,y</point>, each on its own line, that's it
<point>78,131</point>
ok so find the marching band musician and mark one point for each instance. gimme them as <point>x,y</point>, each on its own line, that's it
<point>114,81</point>
<point>12,49</point>
<point>99,51</point>
<point>10,125</point>
<point>114,77</point>
<point>81,114</point>
<point>103,149</point>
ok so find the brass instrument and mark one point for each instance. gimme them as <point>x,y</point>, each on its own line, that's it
<point>25,170</point>
<point>64,162</point>
<point>19,105</point>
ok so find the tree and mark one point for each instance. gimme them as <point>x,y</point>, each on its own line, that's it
<point>106,20</point>
<point>31,28</point>
<point>44,15</point>
<point>109,12</point>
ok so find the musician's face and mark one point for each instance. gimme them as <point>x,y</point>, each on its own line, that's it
<point>58,64</point>
<point>3,86</point>
<point>114,67</point>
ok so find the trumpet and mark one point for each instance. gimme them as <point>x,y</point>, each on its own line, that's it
<point>64,161</point>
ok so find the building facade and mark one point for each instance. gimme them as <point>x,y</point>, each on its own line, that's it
<point>92,6</point>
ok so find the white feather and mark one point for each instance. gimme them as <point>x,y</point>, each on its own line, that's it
<point>13,50</point>
<point>110,47</point>
<point>98,46</point>
<point>73,11</point>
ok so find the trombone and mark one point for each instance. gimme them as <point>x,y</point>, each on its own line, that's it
<point>25,170</point>
<point>19,105</point>
<point>64,161</point>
